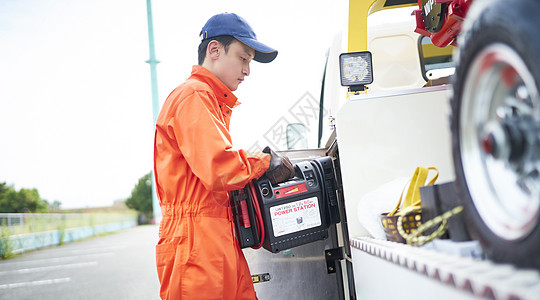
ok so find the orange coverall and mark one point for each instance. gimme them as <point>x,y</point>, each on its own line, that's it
<point>195,165</point>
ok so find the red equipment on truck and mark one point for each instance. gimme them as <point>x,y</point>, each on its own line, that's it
<point>441,20</point>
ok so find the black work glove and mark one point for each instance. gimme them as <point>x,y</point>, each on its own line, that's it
<point>280,169</point>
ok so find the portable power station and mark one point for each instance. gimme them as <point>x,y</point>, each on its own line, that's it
<point>286,215</point>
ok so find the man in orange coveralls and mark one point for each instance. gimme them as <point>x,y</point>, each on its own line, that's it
<point>195,165</point>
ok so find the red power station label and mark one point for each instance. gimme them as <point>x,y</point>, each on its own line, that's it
<point>290,190</point>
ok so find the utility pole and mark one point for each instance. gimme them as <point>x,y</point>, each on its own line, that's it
<point>155,100</point>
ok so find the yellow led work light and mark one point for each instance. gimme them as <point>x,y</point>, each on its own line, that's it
<point>356,70</point>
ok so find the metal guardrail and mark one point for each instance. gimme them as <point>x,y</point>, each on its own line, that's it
<point>24,232</point>
<point>32,223</point>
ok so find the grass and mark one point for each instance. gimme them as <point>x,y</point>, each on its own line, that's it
<point>5,244</point>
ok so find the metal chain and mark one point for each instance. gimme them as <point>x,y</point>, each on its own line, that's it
<point>413,238</point>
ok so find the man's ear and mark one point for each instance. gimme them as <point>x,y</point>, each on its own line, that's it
<point>213,50</point>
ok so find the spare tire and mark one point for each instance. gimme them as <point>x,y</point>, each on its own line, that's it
<point>496,128</point>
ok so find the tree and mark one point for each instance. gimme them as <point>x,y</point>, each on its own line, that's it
<point>22,201</point>
<point>3,188</point>
<point>141,198</point>
<point>55,206</point>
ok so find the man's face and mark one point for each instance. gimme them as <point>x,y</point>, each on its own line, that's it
<point>233,66</point>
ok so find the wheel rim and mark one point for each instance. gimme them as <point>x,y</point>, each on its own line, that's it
<point>500,113</point>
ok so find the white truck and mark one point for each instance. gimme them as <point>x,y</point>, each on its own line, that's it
<point>471,109</point>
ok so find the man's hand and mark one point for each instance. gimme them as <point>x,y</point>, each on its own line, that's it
<point>280,169</point>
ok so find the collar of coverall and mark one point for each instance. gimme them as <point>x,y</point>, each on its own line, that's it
<point>223,93</point>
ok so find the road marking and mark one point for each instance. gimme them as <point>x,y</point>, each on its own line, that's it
<point>34,283</point>
<point>56,259</point>
<point>50,268</point>
<point>89,249</point>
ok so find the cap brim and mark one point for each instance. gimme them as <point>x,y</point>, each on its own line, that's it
<point>263,53</point>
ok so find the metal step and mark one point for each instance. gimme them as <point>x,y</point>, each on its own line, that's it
<point>481,278</point>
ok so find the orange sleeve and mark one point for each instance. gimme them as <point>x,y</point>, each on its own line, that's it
<point>206,144</point>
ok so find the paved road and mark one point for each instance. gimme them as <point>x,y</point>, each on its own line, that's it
<point>116,266</point>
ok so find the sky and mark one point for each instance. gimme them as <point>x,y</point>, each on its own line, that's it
<point>75,93</point>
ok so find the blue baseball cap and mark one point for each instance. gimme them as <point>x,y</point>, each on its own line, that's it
<point>234,25</point>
